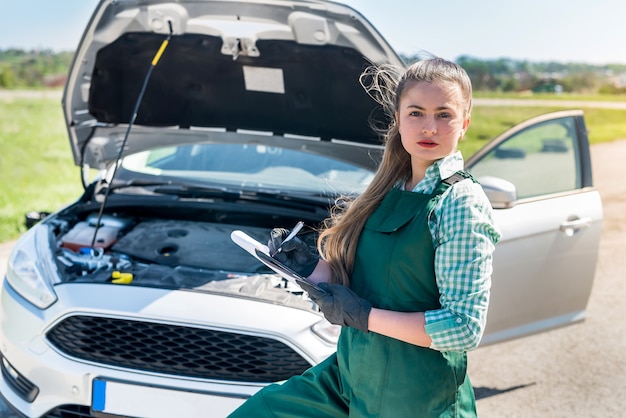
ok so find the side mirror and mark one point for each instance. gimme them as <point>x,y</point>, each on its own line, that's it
<point>501,193</point>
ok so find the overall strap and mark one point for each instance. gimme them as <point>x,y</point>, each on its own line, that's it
<point>457,177</point>
<point>454,178</point>
<point>444,185</point>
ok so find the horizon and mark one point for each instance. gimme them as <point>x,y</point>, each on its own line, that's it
<point>591,64</point>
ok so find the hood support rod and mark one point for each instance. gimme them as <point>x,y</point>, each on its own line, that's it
<point>154,63</point>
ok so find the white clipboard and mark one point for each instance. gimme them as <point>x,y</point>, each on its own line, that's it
<point>261,252</point>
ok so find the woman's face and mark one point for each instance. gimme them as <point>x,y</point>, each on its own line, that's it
<point>431,120</point>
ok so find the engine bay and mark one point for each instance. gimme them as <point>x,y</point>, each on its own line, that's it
<point>168,253</point>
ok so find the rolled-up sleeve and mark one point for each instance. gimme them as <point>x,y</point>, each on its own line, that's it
<point>464,235</point>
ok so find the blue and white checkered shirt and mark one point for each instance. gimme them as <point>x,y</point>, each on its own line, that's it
<point>464,237</point>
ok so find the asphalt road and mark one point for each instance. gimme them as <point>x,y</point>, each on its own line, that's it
<point>577,371</point>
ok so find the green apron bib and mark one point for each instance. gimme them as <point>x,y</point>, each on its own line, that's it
<point>372,375</point>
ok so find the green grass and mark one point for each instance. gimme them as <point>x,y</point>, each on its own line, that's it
<point>37,170</point>
<point>603,125</point>
<point>552,96</point>
<point>36,166</point>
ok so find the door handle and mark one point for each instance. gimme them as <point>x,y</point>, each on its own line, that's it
<point>571,226</point>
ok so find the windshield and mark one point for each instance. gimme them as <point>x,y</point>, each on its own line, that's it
<point>248,165</point>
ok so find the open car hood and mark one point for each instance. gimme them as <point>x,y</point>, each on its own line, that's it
<point>289,68</point>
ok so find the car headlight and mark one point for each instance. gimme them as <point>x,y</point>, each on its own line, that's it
<point>31,269</point>
<point>327,331</point>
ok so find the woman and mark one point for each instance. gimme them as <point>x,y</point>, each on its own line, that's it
<point>406,267</point>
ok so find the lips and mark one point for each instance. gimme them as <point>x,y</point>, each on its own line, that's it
<point>427,144</point>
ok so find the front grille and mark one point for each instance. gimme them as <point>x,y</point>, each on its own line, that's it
<point>176,350</point>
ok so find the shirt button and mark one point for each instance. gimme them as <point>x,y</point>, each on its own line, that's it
<point>459,320</point>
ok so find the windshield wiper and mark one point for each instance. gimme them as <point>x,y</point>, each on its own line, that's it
<point>300,198</point>
<point>193,191</point>
<point>166,186</point>
<point>197,191</point>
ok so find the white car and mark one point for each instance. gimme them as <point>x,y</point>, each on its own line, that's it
<point>134,301</point>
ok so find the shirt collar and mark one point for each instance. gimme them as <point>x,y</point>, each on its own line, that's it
<point>448,165</point>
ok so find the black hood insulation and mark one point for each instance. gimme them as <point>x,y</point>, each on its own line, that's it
<point>196,85</point>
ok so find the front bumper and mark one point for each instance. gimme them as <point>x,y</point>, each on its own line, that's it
<point>35,368</point>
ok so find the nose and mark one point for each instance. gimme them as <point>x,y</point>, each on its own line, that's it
<point>429,130</point>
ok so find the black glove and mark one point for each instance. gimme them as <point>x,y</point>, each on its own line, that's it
<point>294,254</point>
<point>341,306</point>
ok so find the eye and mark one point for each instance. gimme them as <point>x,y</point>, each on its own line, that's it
<point>445,115</point>
<point>415,113</point>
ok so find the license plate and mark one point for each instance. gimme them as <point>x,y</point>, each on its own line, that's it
<point>121,398</point>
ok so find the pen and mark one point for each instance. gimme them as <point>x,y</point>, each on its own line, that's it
<point>291,235</point>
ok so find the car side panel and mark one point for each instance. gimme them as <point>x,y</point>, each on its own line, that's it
<point>543,273</point>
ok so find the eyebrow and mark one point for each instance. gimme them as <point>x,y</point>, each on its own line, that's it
<point>423,108</point>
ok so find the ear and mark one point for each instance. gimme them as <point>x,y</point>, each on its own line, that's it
<point>466,124</point>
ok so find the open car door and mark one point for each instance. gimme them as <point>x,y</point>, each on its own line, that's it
<point>539,180</point>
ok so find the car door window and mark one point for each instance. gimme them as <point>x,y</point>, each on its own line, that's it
<point>539,160</point>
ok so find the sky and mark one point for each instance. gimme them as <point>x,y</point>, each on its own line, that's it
<point>580,31</point>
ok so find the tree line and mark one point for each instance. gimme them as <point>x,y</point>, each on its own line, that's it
<point>509,75</point>
<point>35,68</point>
<point>46,68</point>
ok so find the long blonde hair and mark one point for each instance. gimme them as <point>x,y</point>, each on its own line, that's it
<point>386,85</point>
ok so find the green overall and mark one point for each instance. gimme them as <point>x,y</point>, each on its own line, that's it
<point>372,375</point>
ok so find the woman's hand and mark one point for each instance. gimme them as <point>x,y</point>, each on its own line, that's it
<point>341,306</point>
<point>294,253</point>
